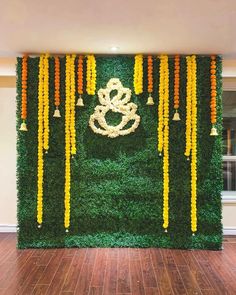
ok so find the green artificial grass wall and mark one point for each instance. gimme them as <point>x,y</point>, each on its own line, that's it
<point>116,184</point>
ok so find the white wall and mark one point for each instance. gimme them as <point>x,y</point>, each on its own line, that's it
<point>8,168</point>
<point>7,156</point>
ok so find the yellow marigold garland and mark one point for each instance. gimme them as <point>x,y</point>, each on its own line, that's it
<point>163,133</point>
<point>40,141</point>
<point>191,133</point>
<point>176,88</point>
<point>138,74</point>
<point>91,74</point>
<point>194,148</point>
<point>72,104</point>
<point>46,103</point>
<point>24,77</point>
<point>57,87</point>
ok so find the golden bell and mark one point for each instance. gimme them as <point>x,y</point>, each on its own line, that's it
<point>213,132</point>
<point>176,116</point>
<point>80,102</point>
<point>150,101</point>
<point>23,127</point>
<point>57,114</point>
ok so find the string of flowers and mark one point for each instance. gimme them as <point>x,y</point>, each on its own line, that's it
<point>166,146</point>
<point>194,148</point>
<point>46,103</point>
<point>160,105</point>
<point>213,96</point>
<point>176,88</point>
<point>188,107</point>
<point>72,105</point>
<point>91,74</point>
<point>80,81</point>
<point>24,77</point>
<point>57,87</point>
<point>67,143</point>
<point>40,142</point>
<point>138,74</point>
<point>150,80</point>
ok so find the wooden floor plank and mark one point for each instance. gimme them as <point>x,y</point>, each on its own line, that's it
<point>123,273</point>
<point>110,281</point>
<point>137,284</point>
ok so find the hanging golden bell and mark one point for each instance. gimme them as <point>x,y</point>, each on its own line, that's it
<point>57,113</point>
<point>23,127</point>
<point>213,132</point>
<point>150,101</point>
<point>80,102</point>
<point>176,116</point>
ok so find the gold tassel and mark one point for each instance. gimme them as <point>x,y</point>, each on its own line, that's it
<point>213,132</point>
<point>80,102</point>
<point>150,101</point>
<point>23,126</point>
<point>176,116</point>
<point>57,113</point>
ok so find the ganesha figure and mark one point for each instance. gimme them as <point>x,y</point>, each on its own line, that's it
<point>117,103</point>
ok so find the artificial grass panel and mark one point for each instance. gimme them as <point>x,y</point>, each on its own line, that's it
<point>116,184</point>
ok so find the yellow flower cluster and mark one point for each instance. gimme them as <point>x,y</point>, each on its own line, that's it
<point>72,102</point>
<point>91,75</point>
<point>46,103</point>
<point>163,133</point>
<point>40,141</point>
<point>191,133</point>
<point>138,74</point>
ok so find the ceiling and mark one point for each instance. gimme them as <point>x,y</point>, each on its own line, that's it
<point>135,26</point>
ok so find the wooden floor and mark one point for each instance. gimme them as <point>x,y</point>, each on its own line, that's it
<point>116,271</point>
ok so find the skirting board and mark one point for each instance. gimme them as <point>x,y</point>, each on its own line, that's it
<point>11,228</point>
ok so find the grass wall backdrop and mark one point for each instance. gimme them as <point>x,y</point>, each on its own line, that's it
<point>117,183</point>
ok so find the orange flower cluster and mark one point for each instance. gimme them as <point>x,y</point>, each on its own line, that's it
<point>213,89</point>
<point>80,75</point>
<point>176,82</point>
<point>24,88</point>
<point>150,74</point>
<point>57,81</point>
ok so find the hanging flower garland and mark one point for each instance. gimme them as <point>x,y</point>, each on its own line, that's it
<point>176,88</point>
<point>57,87</point>
<point>24,77</point>
<point>150,80</point>
<point>46,104</point>
<point>80,74</point>
<point>72,105</point>
<point>40,142</point>
<point>67,143</point>
<point>138,74</point>
<point>191,133</point>
<point>91,74</point>
<point>194,148</point>
<point>213,96</point>
<point>163,133</point>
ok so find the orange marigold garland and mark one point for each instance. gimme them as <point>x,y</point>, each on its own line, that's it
<point>176,88</point>
<point>80,81</point>
<point>57,87</point>
<point>213,96</point>
<point>24,75</point>
<point>150,80</point>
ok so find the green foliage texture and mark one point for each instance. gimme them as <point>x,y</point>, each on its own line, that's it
<point>116,184</point>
